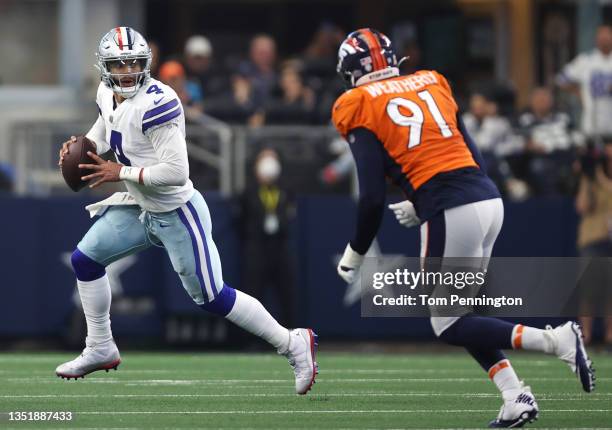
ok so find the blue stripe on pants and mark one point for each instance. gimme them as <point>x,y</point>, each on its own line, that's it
<point>196,253</point>
<point>211,275</point>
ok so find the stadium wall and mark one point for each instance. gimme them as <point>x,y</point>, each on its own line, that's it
<point>39,289</point>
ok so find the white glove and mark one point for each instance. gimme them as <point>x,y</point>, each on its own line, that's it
<point>405,213</point>
<point>349,264</point>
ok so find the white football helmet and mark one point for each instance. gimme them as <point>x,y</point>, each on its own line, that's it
<point>127,46</point>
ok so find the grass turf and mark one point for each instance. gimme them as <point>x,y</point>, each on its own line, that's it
<point>161,390</point>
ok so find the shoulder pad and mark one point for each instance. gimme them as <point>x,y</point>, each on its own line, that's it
<point>351,110</point>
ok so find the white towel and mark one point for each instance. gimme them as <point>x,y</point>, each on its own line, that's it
<point>117,199</point>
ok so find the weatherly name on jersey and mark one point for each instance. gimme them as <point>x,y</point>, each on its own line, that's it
<point>409,83</point>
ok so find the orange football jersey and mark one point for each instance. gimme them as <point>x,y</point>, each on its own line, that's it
<point>415,118</point>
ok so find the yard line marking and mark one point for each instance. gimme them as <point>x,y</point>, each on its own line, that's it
<point>588,397</point>
<point>229,382</point>
<point>314,411</point>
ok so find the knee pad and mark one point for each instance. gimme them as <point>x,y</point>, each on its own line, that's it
<point>85,268</point>
<point>223,303</point>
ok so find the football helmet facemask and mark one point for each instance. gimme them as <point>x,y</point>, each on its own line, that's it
<point>124,46</point>
<point>365,56</point>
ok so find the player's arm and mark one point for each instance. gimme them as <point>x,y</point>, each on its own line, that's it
<point>171,149</point>
<point>476,155</point>
<point>97,134</point>
<point>584,198</point>
<point>569,77</point>
<point>369,158</point>
<point>172,169</point>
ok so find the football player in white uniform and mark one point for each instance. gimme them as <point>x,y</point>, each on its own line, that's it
<point>141,120</point>
<point>590,76</point>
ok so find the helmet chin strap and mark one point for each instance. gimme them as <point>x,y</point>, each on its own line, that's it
<point>377,76</point>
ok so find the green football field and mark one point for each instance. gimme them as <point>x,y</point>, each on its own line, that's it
<point>357,390</point>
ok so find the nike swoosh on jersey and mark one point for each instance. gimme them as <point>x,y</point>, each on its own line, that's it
<point>156,102</point>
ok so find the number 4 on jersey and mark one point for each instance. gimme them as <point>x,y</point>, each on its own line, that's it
<point>415,121</point>
<point>154,89</point>
<point>116,145</point>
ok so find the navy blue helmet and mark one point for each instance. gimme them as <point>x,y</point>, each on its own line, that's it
<point>366,55</point>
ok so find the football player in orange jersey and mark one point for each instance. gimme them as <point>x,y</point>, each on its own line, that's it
<point>408,129</point>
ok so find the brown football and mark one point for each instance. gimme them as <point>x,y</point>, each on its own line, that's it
<point>77,154</point>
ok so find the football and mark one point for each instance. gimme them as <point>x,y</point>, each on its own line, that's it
<point>77,155</point>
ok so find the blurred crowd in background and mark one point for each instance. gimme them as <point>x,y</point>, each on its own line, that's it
<point>536,150</point>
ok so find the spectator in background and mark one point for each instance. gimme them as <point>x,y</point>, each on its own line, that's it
<point>266,210</point>
<point>173,74</point>
<point>549,144</point>
<point>260,68</point>
<point>296,102</point>
<point>319,68</point>
<point>594,204</point>
<point>201,68</point>
<point>236,105</point>
<point>413,58</point>
<point>320,56</point>
<point>494,137</point>
<point>589,76</point>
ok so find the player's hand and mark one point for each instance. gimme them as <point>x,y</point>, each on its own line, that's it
<point>64,150</point>
<point>405,213</point>
<point>349,264</point>
<point>104,171</point>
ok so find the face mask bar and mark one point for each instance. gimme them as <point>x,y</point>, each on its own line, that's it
<point>113,79</point>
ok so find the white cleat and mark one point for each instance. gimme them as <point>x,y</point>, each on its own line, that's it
<point>518,411</point>
<point>569,347</point>
<point>94,357</point>
<point>302,358</point>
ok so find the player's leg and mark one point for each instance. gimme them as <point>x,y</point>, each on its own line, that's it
<point>187,236</point>
<point>462,238</point>
<point>469,231</point>
<point>116,234</point>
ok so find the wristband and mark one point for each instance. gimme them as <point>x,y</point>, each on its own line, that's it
<point>132,174</point>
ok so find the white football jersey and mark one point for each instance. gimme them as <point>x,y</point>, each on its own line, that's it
<point>127,125</point>
<point>593,72</point>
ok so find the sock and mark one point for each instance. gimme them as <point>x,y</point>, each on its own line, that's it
<point>503,376</point>
<point>96,301</point>
<point>223,303</point>
<point>249,314</point>
<point>533,339</point>
<point>479,333</point>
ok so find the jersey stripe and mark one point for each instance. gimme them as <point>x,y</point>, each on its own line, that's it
<point>161,119</point>
<point>160,109</point>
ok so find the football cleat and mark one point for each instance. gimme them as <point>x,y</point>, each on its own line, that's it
<point>569,347</point>
<point>518,411</point>
<point>302,358</point>
<point>94,357</point>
